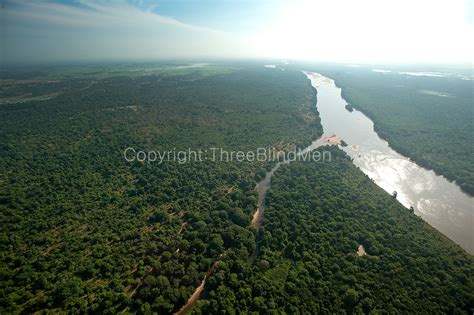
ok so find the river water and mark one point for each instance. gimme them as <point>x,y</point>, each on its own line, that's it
<point>439,202</point>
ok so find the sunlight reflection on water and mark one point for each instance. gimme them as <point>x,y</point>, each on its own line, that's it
<point>441,203</point>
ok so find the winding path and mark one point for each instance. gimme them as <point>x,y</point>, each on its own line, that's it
<point>195,296</point>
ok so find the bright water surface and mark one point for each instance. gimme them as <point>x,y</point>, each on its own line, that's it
<point>439,202</point>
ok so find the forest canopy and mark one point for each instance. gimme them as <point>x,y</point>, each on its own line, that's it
<point>85,231</point>
<point>309,257</point>
<point>426,118</point>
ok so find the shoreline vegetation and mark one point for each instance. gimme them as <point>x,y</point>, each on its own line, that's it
<point>414,124</point>
<point>88,233</point>
<point>307,262</point>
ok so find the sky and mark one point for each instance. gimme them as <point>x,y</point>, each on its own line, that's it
<point>364,31</point>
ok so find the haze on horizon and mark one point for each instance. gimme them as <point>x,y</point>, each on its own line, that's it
<point>365,31</point>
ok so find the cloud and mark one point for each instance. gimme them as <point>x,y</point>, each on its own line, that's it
<point>48,31</point>
<point>370,31</point>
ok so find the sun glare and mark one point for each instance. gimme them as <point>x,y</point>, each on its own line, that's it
<point>369,30</point>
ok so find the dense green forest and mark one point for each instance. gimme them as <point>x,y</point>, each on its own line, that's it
<point>429,119</point>
<point>317,216</point>
<point>85,231</point>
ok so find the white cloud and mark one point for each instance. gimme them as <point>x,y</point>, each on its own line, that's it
<point>360,31</point>
<point>37,31</point>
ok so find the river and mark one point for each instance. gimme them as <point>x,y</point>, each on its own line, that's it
<point>439,202</point>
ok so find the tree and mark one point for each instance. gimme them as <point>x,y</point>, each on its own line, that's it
<point>350,299</point>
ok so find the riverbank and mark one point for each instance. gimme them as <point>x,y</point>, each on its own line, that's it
<point>401,110</point>
<point>438,201</point>
<point>333,140</point>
